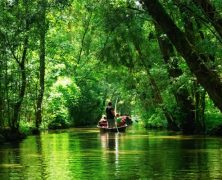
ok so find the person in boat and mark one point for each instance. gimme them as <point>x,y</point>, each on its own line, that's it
<point>127,119</point>
<point>118,119</point>
<point>110,115</point>
<point>103,121</point>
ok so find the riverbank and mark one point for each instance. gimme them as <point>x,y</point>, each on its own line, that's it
<point>7,135</point>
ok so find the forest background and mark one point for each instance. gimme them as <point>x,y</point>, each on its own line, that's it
<point>62,60</point>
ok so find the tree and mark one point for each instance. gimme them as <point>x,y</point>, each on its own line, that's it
<point>42,35</point>
<point>196,61</point>
<point>21,63</point>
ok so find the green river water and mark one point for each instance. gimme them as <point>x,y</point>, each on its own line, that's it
<point>89,154</point>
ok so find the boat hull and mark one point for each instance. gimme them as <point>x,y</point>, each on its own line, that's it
<point>115,129</point>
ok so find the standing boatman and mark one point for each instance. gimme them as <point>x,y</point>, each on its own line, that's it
<point>110,114</point>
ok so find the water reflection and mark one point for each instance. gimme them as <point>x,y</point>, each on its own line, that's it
<point>88,154</point>
<point>110,148</point>
<point>109,141</point>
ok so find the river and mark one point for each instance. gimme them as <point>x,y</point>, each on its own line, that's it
<point>89,154</point>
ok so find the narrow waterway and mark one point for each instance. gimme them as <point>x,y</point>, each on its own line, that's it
<point>88,154</point>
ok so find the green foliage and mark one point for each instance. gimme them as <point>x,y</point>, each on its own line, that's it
<point>89,107</point>
<point>213,115</point>
<point>59,122</point>
<point>154,119</point>
<point>26,127</point>
<point>97,51</point>
<point>63,94</point>
<point>87,111</point>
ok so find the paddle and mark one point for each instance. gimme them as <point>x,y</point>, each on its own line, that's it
<point>115,114</point>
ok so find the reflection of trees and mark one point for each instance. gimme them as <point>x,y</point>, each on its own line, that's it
<point>182,157</point>
<point>134,156</point>
<point>197,158</point>
<point>177,157</point>
<point>45,156</point>
<point>192,158</point>
<point>41,158</point>
<point>32,157</point>
<point>10,161</point>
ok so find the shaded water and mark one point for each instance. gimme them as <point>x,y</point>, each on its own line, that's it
<point>136,154</point>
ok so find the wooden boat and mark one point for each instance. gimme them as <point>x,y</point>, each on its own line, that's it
<point>115,129</point>
<point>121,125</point>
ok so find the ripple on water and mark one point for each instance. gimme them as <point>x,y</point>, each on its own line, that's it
<point>87,154</point>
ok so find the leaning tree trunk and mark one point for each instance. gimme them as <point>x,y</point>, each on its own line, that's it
<point>171,124</point>
<point>208,78</point>
<point>184,103</point>
<point>42,63</point>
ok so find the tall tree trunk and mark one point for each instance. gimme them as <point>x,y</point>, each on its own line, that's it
<point>8,113</point>
<point>42,63</point>
<point>14,122</point>
<point>1,94</point>
<point>199,96</point>
<point>17,105</point>
<point>208,78</point>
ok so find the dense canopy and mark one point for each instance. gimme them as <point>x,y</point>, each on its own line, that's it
<point>158,60</point>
